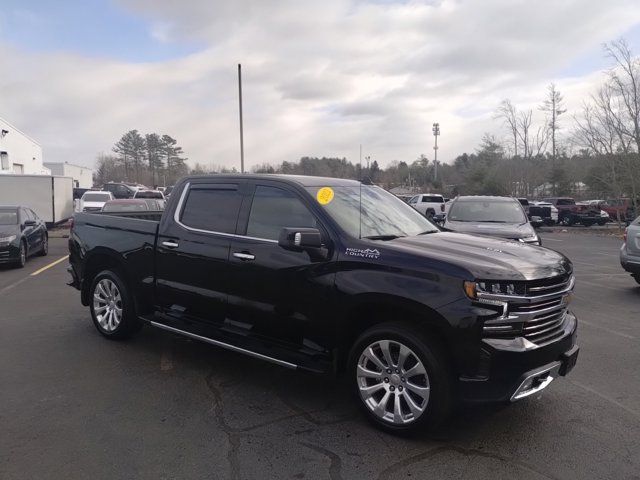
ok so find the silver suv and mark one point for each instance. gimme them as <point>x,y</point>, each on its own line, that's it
<point>630,251</point>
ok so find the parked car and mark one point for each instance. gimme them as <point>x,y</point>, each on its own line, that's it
<point>501,217</point>
<point>570,213</point>
<point>620,209</point>
<point>157,194</point>
<point>94,200</point>
<point>22,234</point>
<point>602,217</point>
<point>630,251</point>
<point>431,205</point>
<point>329,275</point>
<point>167,191</point>
<point>546,211</point>
<point>120,190</point>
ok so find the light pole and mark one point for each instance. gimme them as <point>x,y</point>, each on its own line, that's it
<point>436,132</point>
<point>241,126</point>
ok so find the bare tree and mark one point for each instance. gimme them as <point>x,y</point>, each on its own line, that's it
<point>508,114</point>
<point>554,107</point>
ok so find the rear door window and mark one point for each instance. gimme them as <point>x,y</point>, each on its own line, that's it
<point>213,208</point>
<point>273,209</point>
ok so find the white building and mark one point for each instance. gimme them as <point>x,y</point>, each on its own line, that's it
<point>19,153</point>
<point>82,176</point>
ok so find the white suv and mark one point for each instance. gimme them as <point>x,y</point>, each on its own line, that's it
<point>431,205</point>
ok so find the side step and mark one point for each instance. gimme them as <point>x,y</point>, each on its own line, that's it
<point>218,343</point>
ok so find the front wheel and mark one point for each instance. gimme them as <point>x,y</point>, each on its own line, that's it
<point>45,246</point>
<point>567,221</point>
<point>401,378</point>
<point>22,255</point>
<point>112,308</point>
<point>636,278</point>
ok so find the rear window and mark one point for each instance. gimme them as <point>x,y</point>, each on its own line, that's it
<point>124,207</point>
<point>148,194</point>
<point>566,201</point>
<point>433,198</point>
<point>212,208</point>
<point>96,197</point>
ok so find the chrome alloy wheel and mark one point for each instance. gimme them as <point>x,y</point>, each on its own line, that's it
<point>107,305</point>
<point>393,382</point>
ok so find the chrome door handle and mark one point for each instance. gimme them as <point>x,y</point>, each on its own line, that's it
<point>170,244</point>
<point>244,256</point>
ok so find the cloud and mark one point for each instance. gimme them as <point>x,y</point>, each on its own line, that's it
<point>320,78</point>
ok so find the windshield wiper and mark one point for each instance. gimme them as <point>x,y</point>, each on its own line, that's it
<point>428,232</point>
<point>382,237</point>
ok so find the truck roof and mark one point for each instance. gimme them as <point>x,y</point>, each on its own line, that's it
<point>479,198</point>
<point>304,180</point>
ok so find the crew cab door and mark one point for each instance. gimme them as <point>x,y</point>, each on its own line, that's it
<point>278,295</point>
<point>192,256</point>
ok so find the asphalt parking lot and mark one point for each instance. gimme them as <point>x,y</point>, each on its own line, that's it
<point>74,405</point>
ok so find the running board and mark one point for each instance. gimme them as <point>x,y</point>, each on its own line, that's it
<point>228,346</point>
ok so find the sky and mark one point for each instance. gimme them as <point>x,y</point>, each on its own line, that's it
<point>319,78</point>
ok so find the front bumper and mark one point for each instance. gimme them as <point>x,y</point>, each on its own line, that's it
<point>9,253</point>
<point>631,263</point>
<point>511,370</point>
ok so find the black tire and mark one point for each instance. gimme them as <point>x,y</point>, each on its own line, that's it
<point>129,323</point>
<point>567,221</point>
<point>22,255</point>
<point>602,223</point>
<point>44,250</point>
<point>440,381</point>
<point>636,278</point>
<point>430,213</point>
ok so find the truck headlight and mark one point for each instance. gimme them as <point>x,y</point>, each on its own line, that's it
<point>4,241</point>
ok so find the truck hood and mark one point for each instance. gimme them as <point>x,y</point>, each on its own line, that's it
<point>484,257</point>
<point>503,230</point>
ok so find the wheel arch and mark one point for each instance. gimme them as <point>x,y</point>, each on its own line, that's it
<point>372,309</point>
<point>96,261</point>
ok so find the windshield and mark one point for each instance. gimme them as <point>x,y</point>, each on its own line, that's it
<point>95,197</point>
<point>8,217</point>
<point>383,214</point>
<point>487,211</point>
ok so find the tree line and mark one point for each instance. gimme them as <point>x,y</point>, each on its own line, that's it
<point>149,159</point>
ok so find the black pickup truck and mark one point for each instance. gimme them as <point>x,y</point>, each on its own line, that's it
<point>329,275</point>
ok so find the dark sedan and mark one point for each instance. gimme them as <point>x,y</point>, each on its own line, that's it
<point>22,234</point>
<point>502,217</point>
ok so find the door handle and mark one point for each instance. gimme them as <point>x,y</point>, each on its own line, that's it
<point>244,256</point>
<point>169,244</point>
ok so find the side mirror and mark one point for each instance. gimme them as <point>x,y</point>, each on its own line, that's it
<point>29,223</point>
<point>299,239</point>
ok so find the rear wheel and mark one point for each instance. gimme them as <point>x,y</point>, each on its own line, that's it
<point>401,378</point>
<point>636,278</point>
<point>112,308</point>
<point>602,222</point>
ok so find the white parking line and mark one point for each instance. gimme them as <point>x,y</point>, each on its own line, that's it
<point>605,329</point>
<point>607,398</point>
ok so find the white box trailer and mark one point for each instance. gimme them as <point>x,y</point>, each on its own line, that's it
<point>51,197</point>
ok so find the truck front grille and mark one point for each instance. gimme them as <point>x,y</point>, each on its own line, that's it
<point>538,316</point>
